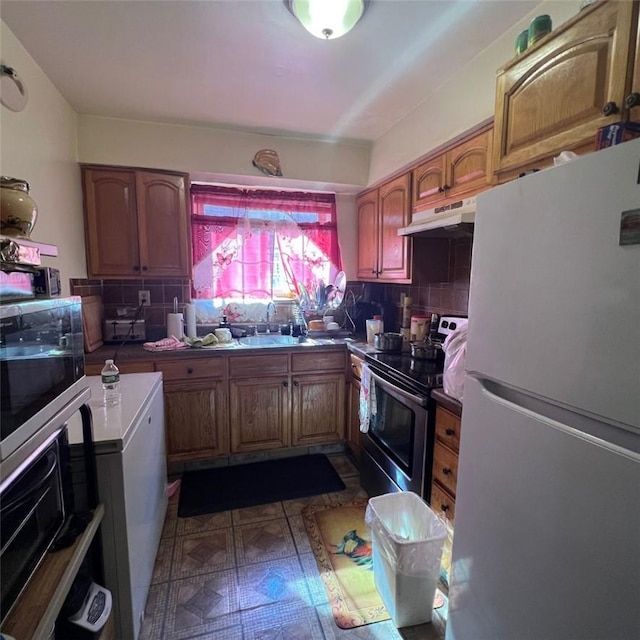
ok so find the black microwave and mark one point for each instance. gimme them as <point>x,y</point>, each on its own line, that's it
<point>41,365</point>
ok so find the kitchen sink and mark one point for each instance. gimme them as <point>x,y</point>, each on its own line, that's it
<point>273,340</point>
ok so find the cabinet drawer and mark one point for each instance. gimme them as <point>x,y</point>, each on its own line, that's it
<point>258,366</point>
<point>445,467</point>
<point>191,369</point>
<point>442,502</point>
<point>448,428</point>
<point>356,366</point>
<point>313,362</point>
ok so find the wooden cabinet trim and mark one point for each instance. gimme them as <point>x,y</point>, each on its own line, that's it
<point>257,366</point>
<point>318,361</point>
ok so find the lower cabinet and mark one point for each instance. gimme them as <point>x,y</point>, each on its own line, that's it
<point>318,404</point>
<point>353,421</point>
<point>196,420</point>
<point>445,462</point>
<point>196,408</point>
<point>259,414</point>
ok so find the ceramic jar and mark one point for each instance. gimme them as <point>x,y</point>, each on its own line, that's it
<point>18,211</point>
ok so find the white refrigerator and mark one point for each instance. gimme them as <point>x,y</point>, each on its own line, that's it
<point>547,529</point>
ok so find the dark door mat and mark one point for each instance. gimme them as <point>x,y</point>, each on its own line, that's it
<point>248,485</point>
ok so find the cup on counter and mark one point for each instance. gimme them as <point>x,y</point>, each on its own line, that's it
<point>223,334</point>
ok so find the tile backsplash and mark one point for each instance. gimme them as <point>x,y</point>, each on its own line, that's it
<point>123,294</point>
<point>442,297</point>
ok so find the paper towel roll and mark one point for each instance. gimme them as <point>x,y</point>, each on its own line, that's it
<point>190,319</point>
<point>175,325</point>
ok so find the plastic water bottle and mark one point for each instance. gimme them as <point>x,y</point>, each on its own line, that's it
<point>110,384</point>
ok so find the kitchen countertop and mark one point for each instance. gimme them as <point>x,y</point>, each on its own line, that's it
<point>135,352</point>
<point>447,401</point>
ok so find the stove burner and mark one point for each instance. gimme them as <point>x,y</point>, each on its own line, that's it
<point>419,375</point>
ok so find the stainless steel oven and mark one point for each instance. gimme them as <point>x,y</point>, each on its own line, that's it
<point>398,448</point>
<point>41,365</point>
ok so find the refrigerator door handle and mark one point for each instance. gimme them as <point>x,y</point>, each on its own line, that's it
<point>620,440</point>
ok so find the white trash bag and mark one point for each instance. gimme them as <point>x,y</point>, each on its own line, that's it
<point>455,352</point>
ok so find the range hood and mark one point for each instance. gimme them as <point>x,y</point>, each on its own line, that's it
<point>455,217</point>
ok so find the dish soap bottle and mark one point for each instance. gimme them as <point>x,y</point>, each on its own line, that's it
<point>110,375</point>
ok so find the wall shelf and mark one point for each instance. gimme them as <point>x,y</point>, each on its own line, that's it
<point>35,612</point>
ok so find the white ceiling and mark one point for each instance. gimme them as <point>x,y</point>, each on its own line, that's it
<point>249,65</point>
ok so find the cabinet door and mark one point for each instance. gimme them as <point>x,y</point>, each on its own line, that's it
<point>367,207</point>
<point>259,411</point>
<point>163,224</point>
<point>468,166</point>
<point>428,183</point>
<point>318,405</point>
<point>196,420</point>
<point>394,257</point>
<point>353,423</point>
<point>110,222</point>
<point>552,97</point>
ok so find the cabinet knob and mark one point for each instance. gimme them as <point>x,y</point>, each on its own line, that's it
<point>609,109</point>
<point>296,383</point>
<point>375,273</point>
<point>444,507</point>
<point>144,268</point>
<point>285,384</point>
<point>189,370</point>
<point>446,187</point>
<point>440,189</point>
<point>450,432</point>
<point>446,471</point>
<point>632,100</point>
<point>136,267</point>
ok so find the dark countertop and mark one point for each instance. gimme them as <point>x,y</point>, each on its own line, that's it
<point>448,402</point>
<point>135,352</point>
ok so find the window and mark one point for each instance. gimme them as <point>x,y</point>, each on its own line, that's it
<point>261,244</point>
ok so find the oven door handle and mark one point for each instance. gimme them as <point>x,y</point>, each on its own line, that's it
<point>420,400</point>
<point>25,497</point>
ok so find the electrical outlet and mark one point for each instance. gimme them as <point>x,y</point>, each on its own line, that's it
<point>144,297</point>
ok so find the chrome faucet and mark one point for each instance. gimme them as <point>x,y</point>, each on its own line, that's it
<point>270,307</point>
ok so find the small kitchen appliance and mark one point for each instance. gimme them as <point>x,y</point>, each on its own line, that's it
<point>46,282</point>
<point>124,330</point>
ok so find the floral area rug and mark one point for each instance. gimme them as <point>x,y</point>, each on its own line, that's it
<point>342,547</point>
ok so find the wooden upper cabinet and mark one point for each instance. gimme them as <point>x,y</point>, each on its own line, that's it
<point>111,227</point>
<point>394,252</point>
<point>383,255</point>
<point>462,170</point>
<point>136,223</point>
<point>163,224</point>
<point>557,95</point>
<point>367,208</point>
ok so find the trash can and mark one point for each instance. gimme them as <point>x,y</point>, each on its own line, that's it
<point>407,538</point>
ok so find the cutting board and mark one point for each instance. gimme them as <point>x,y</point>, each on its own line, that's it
<point>92,314</point>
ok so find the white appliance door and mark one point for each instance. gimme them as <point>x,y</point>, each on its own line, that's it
<point>554,306</point>
<point>547,528</point>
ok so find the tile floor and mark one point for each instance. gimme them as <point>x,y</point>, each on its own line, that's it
<point>249,574</point>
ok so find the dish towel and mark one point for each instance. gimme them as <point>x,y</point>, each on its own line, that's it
<point>166,344</point>
<point>367,398</point>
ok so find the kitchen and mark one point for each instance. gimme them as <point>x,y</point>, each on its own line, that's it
<point>50,157</point>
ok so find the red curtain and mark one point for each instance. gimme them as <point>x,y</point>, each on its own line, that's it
<point>261,244</point>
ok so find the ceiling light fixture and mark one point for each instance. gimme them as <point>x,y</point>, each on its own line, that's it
<point>327,19</point>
